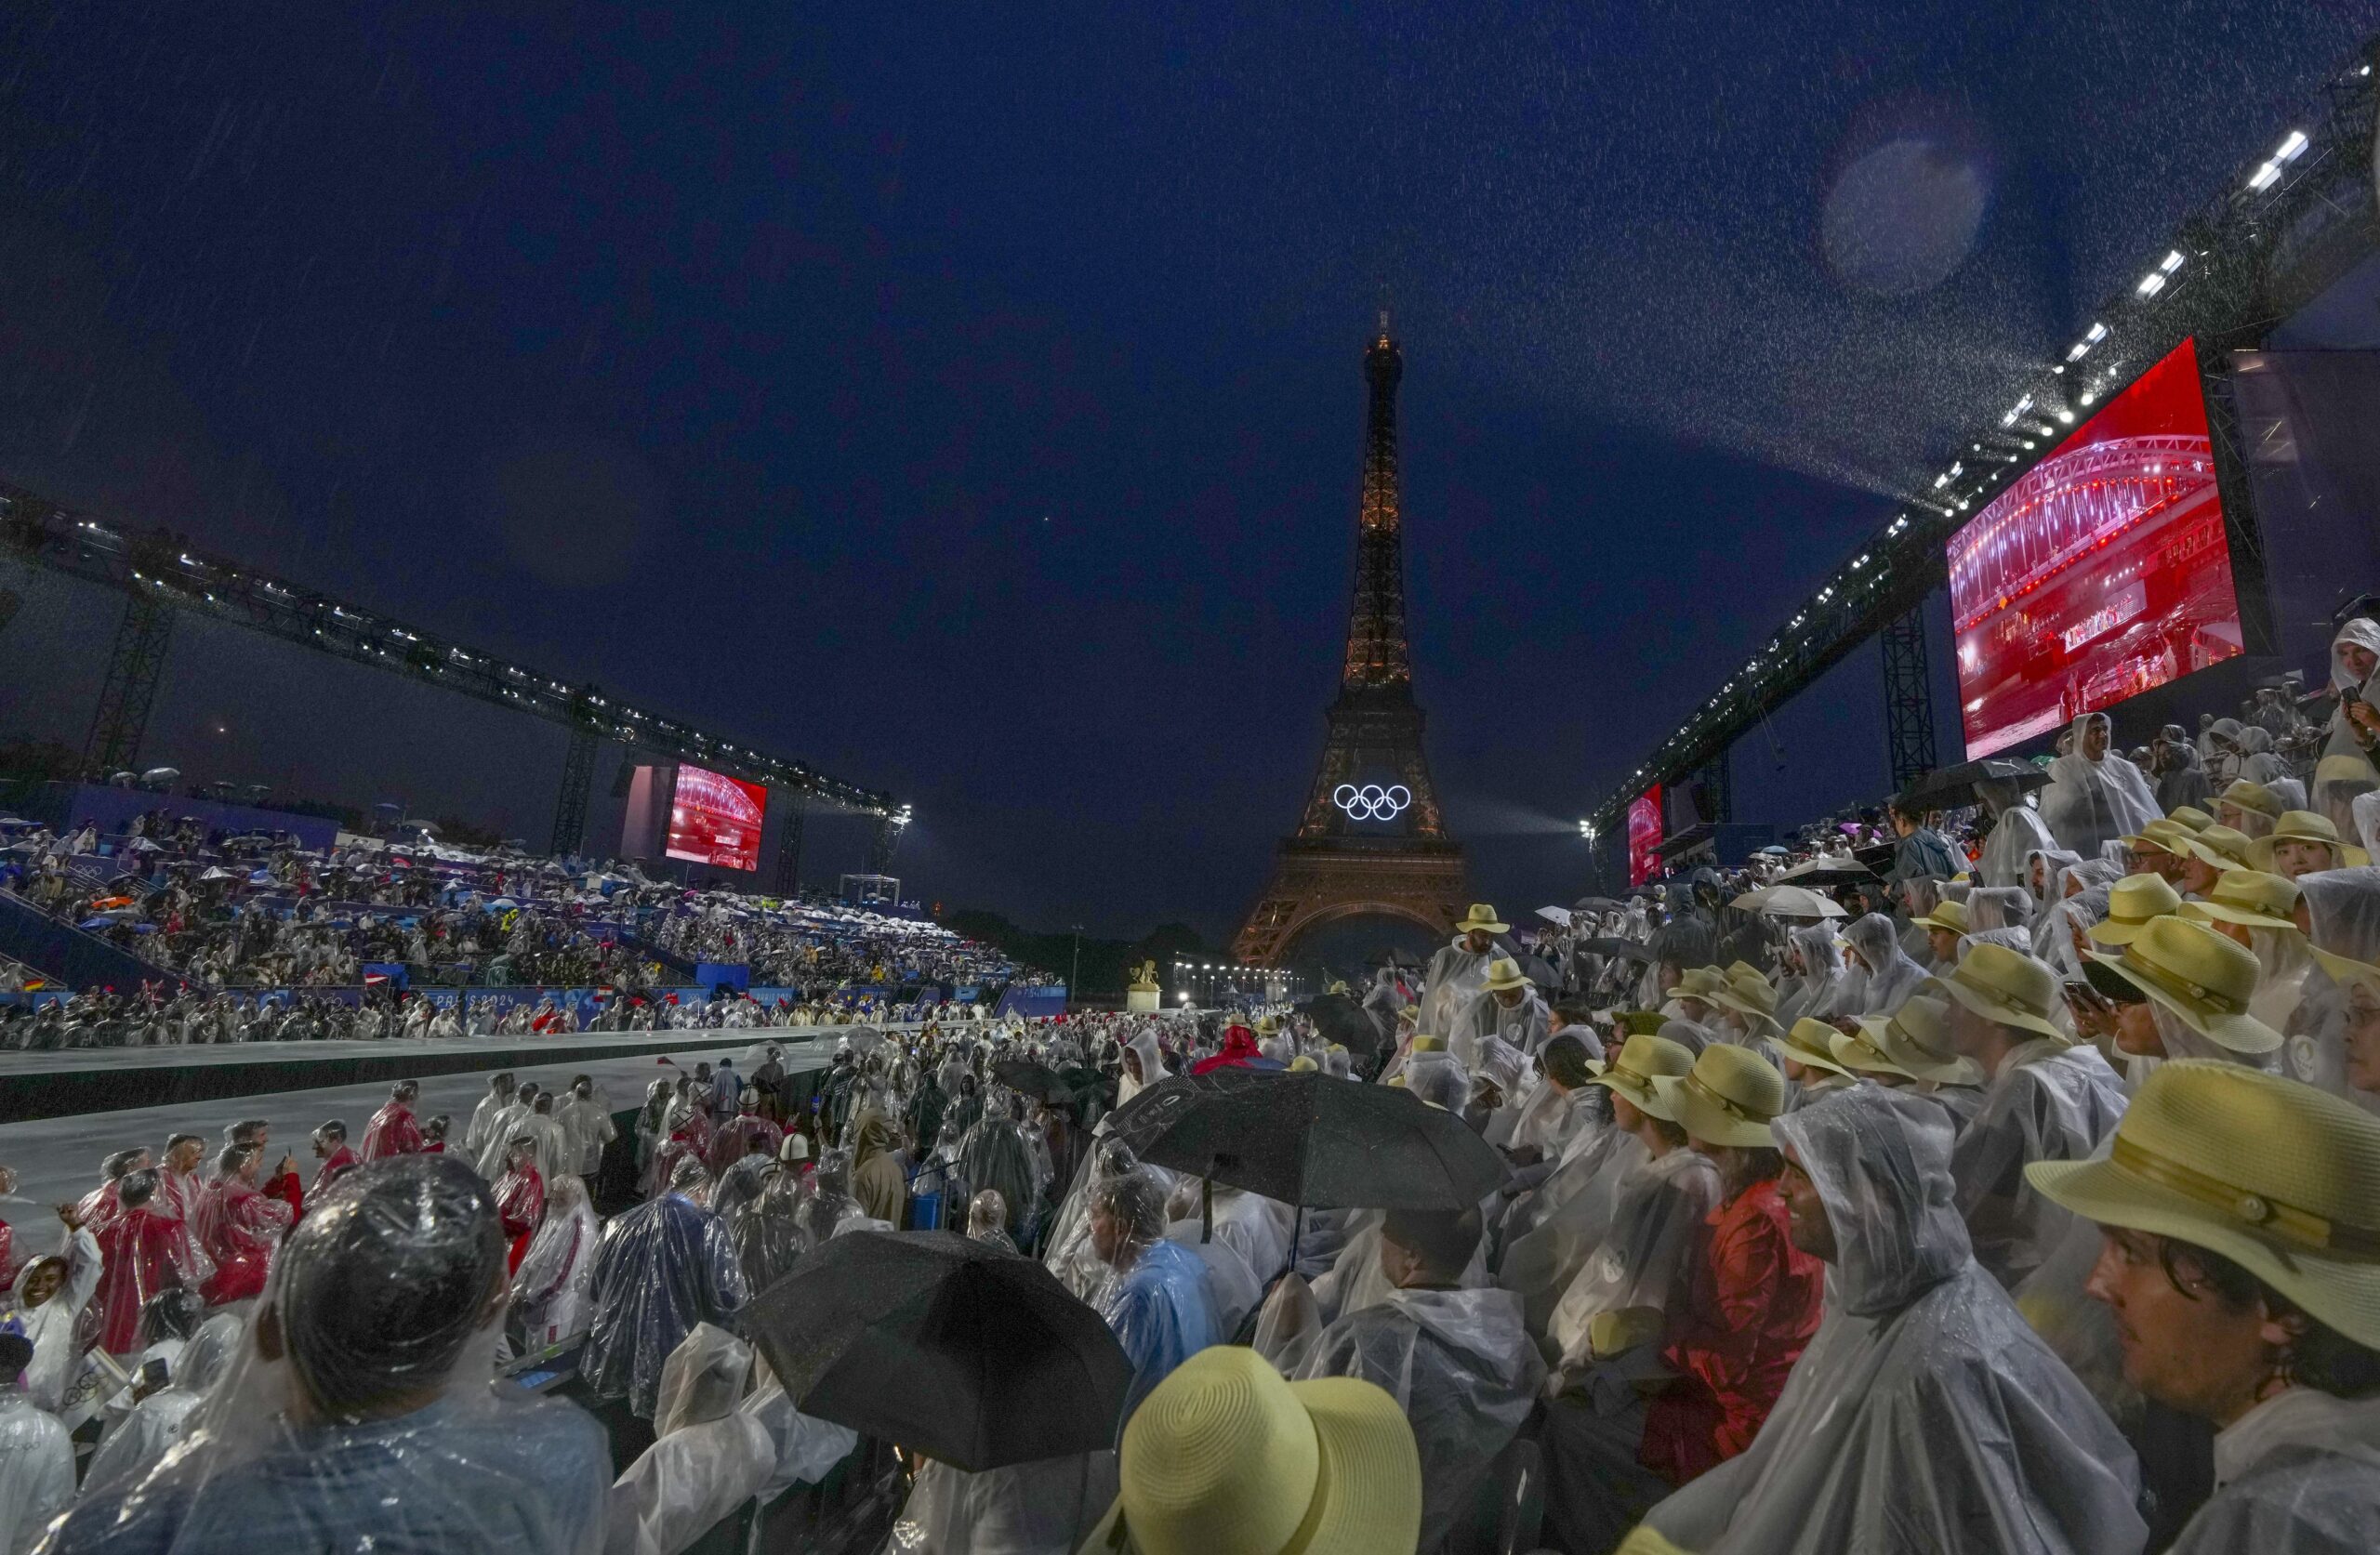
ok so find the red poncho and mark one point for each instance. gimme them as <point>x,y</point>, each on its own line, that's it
<point>519,1204</point>
<point>1755,1303</point>
<point>1239,1045</point>
<point>239,1227</point>
<point>337,1163</point>
<point>393,1132</point>
<point>141,1254</point>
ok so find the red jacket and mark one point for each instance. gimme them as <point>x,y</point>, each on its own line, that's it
<point>337,1163</point>
<point>1754,1302</point>
<point>520,1205</point>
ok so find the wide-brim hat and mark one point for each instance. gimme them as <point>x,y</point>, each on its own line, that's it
<point>2250,796</point>
<point>2163,833</point>
<point>2280,1178</point>
<point>2304,825</point>
<point>2224,847</point>
<point>2250,897</point>
<point>2204,978</point>
<point>2134,903</point>
<point>2344,969</point>
<point>1729,1098</point>
<point>2004,985</point>
<point>1482,917</point>
<point>1860,1054</point>
<point>1643,1059</point>
<point>1947,916</point>
<point>1811,1043</point>
<point>2192,817</point>
<point>1504,974</point>
<point>1699,983</point>
<point>1916,1037</point>
<point>1223,1455</point>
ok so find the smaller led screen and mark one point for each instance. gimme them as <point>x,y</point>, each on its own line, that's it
<point>1644,836</point>
<point>2103,572</point>
<point>716,820</point>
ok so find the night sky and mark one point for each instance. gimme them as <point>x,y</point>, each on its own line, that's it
<point>969,401</point>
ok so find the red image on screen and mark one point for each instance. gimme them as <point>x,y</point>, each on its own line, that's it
<point>716,820</point>
<point>1644,836</point>
<point>2103,572</point>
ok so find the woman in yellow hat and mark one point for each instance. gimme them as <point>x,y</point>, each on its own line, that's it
<point>2047,1099</point>
<point>1607,1331</point>
<point>2240,1218</point>
<point>1755,1299</point>
<point>2259,911</point>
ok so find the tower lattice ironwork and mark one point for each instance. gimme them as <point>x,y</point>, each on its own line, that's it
<point>1371,839</point>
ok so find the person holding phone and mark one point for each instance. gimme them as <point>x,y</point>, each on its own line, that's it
<point>2355,656</point>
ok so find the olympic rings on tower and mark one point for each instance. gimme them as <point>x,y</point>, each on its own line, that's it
<point>1371,802</point>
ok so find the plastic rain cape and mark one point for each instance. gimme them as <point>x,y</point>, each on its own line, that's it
<point>1926,1416</point>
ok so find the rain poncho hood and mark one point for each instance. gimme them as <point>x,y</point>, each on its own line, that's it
<point>1892,976</point>
<point>2088,803</point>
<point>1926,1414</point>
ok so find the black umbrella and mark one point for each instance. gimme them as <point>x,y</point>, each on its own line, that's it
<point>1340,1018</point>
<point>1311,1139</point>
<point>1955,785</point>
<point>1030,1077</point>
<point>1627,950</point>
<point>955,1349</point>
<point>1598,904</point>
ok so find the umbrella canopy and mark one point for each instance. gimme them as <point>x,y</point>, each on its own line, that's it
<point>1311,1139</point>
<point>954,1349</point>
<point>1598,904</point>
<point>1555,915</point>
<point>1340,1018</point>
<point>1627,950</point>
<point>1955,785</point>
<point>1032,1078</point>
<point>1836,869</point>
<point>1790,902</point>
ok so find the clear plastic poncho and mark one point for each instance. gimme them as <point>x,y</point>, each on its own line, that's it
<point>1048,1507</point>
<point>1892,976</point>
<point>1161,1313</point>
<point>2343,908</point>
<point>660,1269</point>
<point>1817,988</point>
<point>2088,803</point>
<point>549,1288</point>
<point>1456,976</point>
<point>361,1413</point>
<point>1462,1368</point>
<point>709,1456</point>
<point>58,1380</point>
<point>1643,1264</point>
<point>2299,1474</point>
<point>1925,1415</point>
<point>36,1469</point>
<point>1550,1236</point>
<point>2018,833</point>
<point>2049,1102</point>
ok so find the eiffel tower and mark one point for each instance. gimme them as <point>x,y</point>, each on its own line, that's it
<point>1372,841</point>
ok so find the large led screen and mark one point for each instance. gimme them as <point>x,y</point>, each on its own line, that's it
<point>1644,836</point>
<point>2101,574</point>
<point>714,819</point>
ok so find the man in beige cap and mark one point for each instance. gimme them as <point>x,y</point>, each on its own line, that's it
<point>2239,1217</point>
<point>1926,1416</point>
<point>2045,1100</point>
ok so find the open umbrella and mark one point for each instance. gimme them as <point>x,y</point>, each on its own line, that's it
<point>1627,950</point>
<point>1032,1078</point>
<point>1310,1140</point>
<point>1828,870</point>
<point>1790,902</point>
<point>1555,915</point>
<point>1955,785</point>
<point>958,1350</point>
<point>1598,904</point>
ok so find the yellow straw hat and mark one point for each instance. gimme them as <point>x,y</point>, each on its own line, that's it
<point>1947,916</point>
<point>1812,1043</point>
<point>1482,916</point>
<point>1302,1065</point>
<point>1917,1039</point>
<point>2344,769</point>
<point>2279,1178</point>
<point>2304,826</point>
<point>2134,903</point>
<point>2165,833</point>
<point>1757,1000</point>
<point>1728,1098</point>
<point>1858,1053</point>
<point>1504,974</point>
<point>1225,1456</point>
<point>2251,796</point>
<point>2192,817</point>
<point>2250,897</point>
<point>1429,1044</point>
<point>2201,976</point>
<point>1700,983</point>
<point>1642,1059</point>
<point>1739,973</point>
<point>2221,846</point>
<point>2003,985</point>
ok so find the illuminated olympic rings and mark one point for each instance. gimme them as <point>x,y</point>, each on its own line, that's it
<point>1371,802</point>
